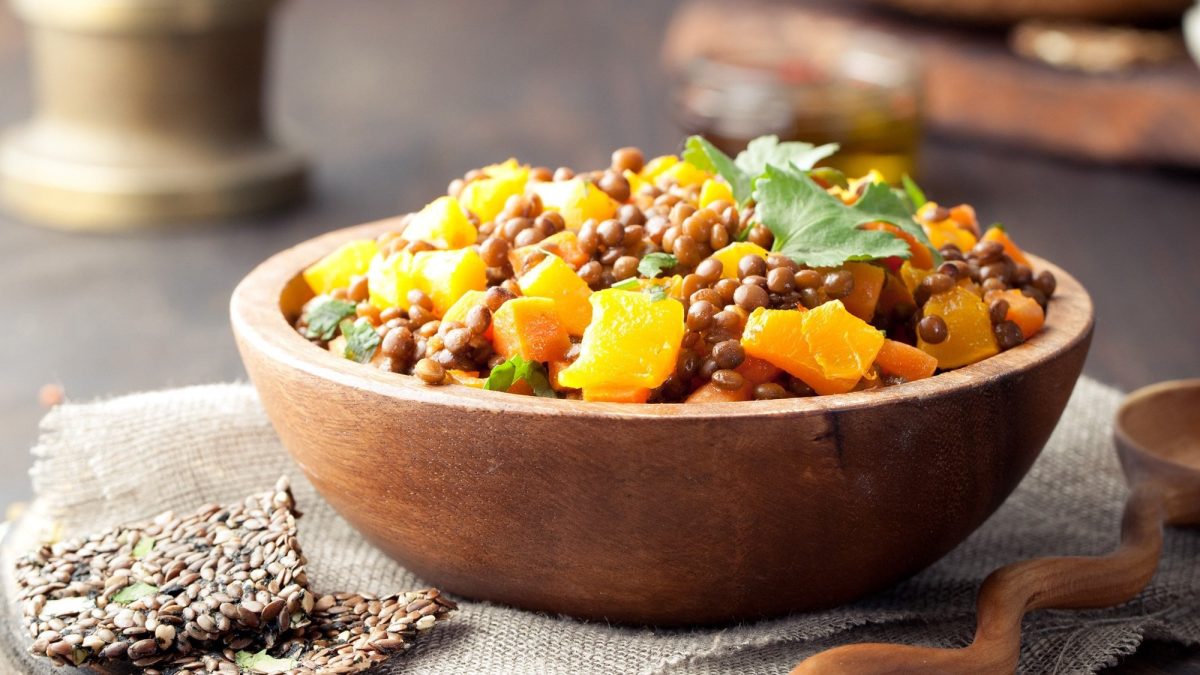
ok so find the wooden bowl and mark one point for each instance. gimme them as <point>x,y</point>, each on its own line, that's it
<point>655,514</point>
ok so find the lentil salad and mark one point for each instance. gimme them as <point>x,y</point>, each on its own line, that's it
<point>696,277</point>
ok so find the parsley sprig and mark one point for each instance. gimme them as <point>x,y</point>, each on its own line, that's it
<point>325,315</point>
<point>515,369</point>
<point>743,172</point>
<point>361,340</point>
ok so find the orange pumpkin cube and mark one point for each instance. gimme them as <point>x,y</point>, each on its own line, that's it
<point>828,348</point>
<point>969,335</point>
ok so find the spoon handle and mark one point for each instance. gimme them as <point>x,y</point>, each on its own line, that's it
<point>1075,582</point>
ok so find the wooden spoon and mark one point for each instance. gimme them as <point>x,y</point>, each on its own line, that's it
<point>1158,441</point>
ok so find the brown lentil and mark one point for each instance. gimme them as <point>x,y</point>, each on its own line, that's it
<point>932,329</point>
<point>728,379</point>
<point>1008,334</point>
<point>430,371</point>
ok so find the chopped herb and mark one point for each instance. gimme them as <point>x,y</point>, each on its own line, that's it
<point>361,340</point>
<point>704,155</point>
<point>262,662</point>
<point>767,151</point>
<point>656,292</point>
<point>654,263</point>
<point>134,592</point>
<point>144,546</point>
<point>630,284</point>
<point>516,368</point>
<point>915,194</point>
<point>324,317</point>
<point>742,173</point>
<point>996,226</point>
<point>815,228</point>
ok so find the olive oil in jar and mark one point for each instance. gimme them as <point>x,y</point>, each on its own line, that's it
<point>865,100</point>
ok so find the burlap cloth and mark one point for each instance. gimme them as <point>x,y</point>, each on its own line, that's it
<point>131,457</point>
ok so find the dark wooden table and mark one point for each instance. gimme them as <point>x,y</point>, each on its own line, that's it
<point>393,99</point>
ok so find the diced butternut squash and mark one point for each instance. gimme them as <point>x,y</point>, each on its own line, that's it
<point>461,307</point>
<point>529,328</point>
<point>445,276</point>
<point>442,223</point>
<point>576,200</point>
<point>636,182</point>
<point>913,276</point>
<point>485,197</point>
<point>390,279</point>
<point>655,167</point>
<point>969,329</point>
<point>563,244</point>
<point>732,254</point>
<point>903,360</point>
<point>919,256</point>
<point>552,278</point>
<point>948,232</point>
<point>633,341</point>
<point>868,283</point>
<point>352,258</point>
<point>684,174</point>
<point>1022,310</point>
<point>616,394</point>
<point>1013,251</point>
<point>715,190</point>
<point>827,347</point>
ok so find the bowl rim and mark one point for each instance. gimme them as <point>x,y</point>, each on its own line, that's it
<point>259,323</point>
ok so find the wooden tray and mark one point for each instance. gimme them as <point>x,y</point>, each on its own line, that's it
<point>975,87</point>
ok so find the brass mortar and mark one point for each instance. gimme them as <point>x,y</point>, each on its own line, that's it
<point>146,111</point>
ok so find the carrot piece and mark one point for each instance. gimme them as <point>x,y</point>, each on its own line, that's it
<point>616,394</point>
<point>530,327</point>
<point>1022,310</point>
<point>897,358</point>
<point>1010,247</point>
<point>920,255</point>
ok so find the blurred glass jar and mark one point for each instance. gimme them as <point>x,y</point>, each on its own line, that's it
<point>861,90</point>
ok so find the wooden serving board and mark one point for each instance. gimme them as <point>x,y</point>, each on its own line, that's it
<point>974,85</point>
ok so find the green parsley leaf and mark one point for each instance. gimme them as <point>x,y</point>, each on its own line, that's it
<point>654,263</point>
<point>704,155</point>
<point>516,368</point>
<point>998,226</point>
<point>324,317</point>
<point>815,228</point>
<point>630,284</point>
<point>134,592</point>
<point>767,151</point>
<point>144,546</point>
<point>915,194</point>
<point>361,340</point>
<point>656,292</point>
<point>262,662</point>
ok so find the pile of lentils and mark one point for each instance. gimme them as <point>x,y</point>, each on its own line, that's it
<point>664,218</point>
<point>187,594</point>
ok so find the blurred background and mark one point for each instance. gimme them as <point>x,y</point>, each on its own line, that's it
<point>1079,130</point>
